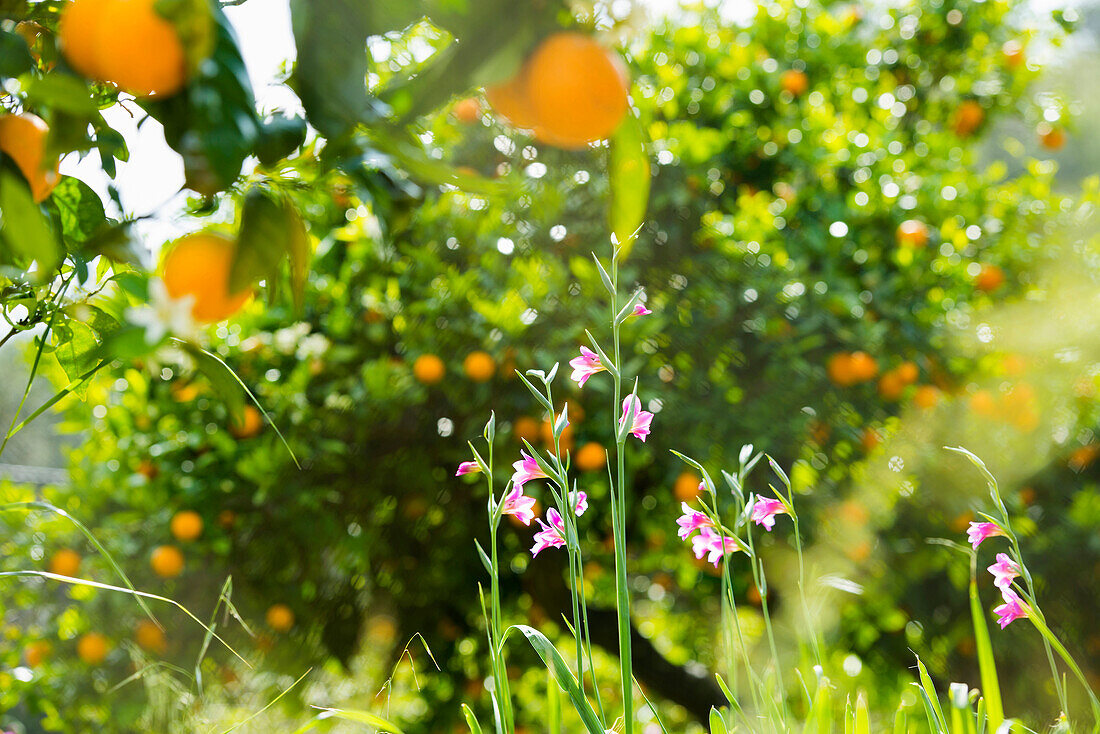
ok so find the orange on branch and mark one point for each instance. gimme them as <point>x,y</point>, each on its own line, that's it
<point>926,396</point>
<point>968,118</point>
<point>429,369</point>
<point>186,525</point>
<point>79,32</point>
<point>198,265</point>
<point>794,82</point>
<point>23,139</point>
<point>591,457</point>
<point>65,562</point>
<point>1013,52</point>
<point>526,428</point>
<point>467,111</point>
<point>908,372</point>
<point>246,424</point>
<point>509,100</point>
<point>92,648</point>
<point>150,637</point>
<point>983,403</point>
<point>577,88</point>
<point>1051,137</point>
<point>891,385</point>
<point>166,561</point>
<point>989,279</point>
<point>280,617</point>
<point>479,366</point>
<point>35,653</point>
<point>863,366</point>
<point>686,488</point>
<point>912,233</point>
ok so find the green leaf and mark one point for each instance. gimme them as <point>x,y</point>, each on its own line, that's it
<point>299,250</point>
<point>363,717</point>
<point>628,171</point>
<point>62,92</point>
<point>15,55</point>
<point>987,666</point>
<point>280,136</point>
<point>79,209</point>
<point>25,229</point>
<point>565,678</point>
<point>936,720</point>
<point>262,240</point>
<point>717,725</point>
<point>484,558</point>
<point>471,719</point>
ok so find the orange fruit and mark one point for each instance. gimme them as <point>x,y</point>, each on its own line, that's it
<point>863,366</point>
<point>591,457</point>
<point>968,117</point>
<point>983,403</point>
<point>167,561</point>
<point>150,637</point>
<point>990,278</point>
<point>926,396</point>
<point>686,487</point>
<point>186,525</point>
<point>577,90</point>
<point>1013,52</point>
<point>36,653</point>
<point>23,139</point>
<point>839,368</point>
<point>794,82</point>
<point>1014,364</point>
<point>509,100</point>
<point>92,648</point>
<point>1081,457</point>
<point>891,385</point>
<point>65,562</point>
<point>125,42</point>
<point>280,617</point>
<point>566,440</point>
<point>1052,138</point>
<point>467,111</point>
<point>526,428</point>
<point>908,372</point>
<point>870,439</point>
<point>479,366</point>
<point>429,369</point>
<point>198,265</point>
<point>246,424</point>
<point>148,469</point>
<point>912,233</point>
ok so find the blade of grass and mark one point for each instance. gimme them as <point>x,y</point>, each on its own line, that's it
<point>987,666</point>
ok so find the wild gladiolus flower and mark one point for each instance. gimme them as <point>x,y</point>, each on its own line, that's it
<point>552,535</point>
<point>764,511</point>
<point>691,521</point>
<point>520,505</point>
<point>713,545</point>
<point>641,310</point>
<point>467,467</point>
<point>979,532</point>
<point>585,366</point>
<point>526,470</point>
<point>1013,608</point>
<point>1004,570</point>
<point>642,418</point>
<point>580,502</point>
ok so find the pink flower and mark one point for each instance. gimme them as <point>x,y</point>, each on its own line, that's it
<point>714,545</point>
<point>585,366</point>
<point>1004,570</point>
<point>520,505</point>
<point>467,467</point>
<point>552,535</point>
<point>580,502</point>
<point>642,418</point>
<point>1013,608</point>
<point>526,470</point>
<point>764,511</point>
<point>981,531</point>
<point>641,310</point>
<point>691,521</point>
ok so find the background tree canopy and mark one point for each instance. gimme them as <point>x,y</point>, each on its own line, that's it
<point>839,274</point>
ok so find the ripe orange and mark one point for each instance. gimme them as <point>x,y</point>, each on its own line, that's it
<point>912,233</point>
<point>167,561</point>
<point>429,369</point>
<point>686,487</point>
<point>839,368</point>
<point>23,139</point>
<point>926,396</point>
<point>248,423</point>
<point>186,525</point>
<point>795,82</point>
<point>479,366</point>
<point>1052,138</point>
<point>983,403</point>
<point>1082,456</point>
<point>577,90</point>
<point>968,117</point>
<point>125,42</point>
<point>870,439</point>
<point>908,372</point>
<point>509,100</point>
<point>148,469</point>
<point>36,653</point>
<point>198,265</point>
<point>891,385</point>
<point>280,617</point>
<point>989,279</point>
<point>863,366</point>
<point>1013,52</point>
<point>467,111</point>
<point>92,648</point>
<point>526,427</point>
<point>150,637</point>
<point>65,562</point>
<point>591,457</point>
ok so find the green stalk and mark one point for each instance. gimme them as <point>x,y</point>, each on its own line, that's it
<point>802,586</point>
<point>1054,642</point>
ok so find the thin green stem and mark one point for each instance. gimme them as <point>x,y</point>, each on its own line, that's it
<point>810,628</point>
<point>1050,637</point>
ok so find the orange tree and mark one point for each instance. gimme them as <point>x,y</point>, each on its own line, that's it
<point>818,224</point>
